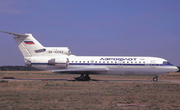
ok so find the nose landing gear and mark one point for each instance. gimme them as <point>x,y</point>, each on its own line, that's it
<point>155,79</point>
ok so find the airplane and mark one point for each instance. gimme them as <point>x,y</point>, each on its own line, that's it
<point>60,60</point>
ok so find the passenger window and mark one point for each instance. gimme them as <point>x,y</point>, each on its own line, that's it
<point>99,61</point>
<point>103,61</point>
<point>88,61</point>
<point>72,61</point>
<point>83,61</point>
<point>111,61</point>
<point>79,61</point>
<point>76,61</point>
<point>95,61</point>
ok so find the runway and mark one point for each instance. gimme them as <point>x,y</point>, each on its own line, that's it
<point>98,80</point>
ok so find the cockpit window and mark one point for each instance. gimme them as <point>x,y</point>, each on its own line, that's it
<point>166,63</point>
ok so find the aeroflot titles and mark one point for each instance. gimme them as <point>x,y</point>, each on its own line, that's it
<point>120,59</point>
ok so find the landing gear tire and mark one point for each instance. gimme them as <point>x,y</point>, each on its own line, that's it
<point>83,78</point>
<point>155,79</point>
<point>79,79</point>
<point>87,78</point>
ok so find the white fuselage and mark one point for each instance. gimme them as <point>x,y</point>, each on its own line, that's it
<point>114,64</point>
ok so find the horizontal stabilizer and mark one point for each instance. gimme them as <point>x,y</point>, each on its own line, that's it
<point>81,70</point>
<point>15,34</point>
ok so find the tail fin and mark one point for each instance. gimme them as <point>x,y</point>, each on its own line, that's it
<point>27,44</point>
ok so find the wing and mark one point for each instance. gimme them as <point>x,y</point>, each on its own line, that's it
<point>81,70</point>
<point>15,34</point>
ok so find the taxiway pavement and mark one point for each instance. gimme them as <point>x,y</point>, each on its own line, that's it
<point>100,80</point>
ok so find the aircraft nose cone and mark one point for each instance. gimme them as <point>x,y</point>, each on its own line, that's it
<point>177,69</point>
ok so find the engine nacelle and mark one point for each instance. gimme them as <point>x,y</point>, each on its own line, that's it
<point>57,51</point>
<point>28,63</point>
<point>60,62</point>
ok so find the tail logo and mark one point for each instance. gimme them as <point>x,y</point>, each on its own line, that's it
<point>29,42</point>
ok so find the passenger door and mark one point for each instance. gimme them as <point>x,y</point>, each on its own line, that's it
<point>92,62</point>
<point>153,64</point>
<point>120,64</point>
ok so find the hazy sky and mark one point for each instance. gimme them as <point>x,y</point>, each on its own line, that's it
<point>93,27</point>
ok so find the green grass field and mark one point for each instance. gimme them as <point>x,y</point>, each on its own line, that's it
<point>40,95</point>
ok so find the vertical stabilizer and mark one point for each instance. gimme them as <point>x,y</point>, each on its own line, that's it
<point>27,44</point>
<point>30,47</point>
<point>22,47</point>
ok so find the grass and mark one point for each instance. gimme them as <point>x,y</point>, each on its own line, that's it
<point>49,75</point>
<point>92,95</point>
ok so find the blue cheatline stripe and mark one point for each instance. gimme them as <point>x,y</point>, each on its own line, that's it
<point>110,64</point>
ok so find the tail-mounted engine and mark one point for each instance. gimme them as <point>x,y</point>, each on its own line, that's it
<point>28,63</point>
<point>53,51</point>
<point>60,62</point>
<point>58,51</point>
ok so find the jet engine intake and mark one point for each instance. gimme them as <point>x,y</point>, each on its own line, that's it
<point>57,51</point>
<point>28,63</point>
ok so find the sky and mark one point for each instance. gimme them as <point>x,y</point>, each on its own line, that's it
<point>93,27</point>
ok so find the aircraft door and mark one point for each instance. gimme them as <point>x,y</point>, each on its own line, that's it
<point>153,64</point>
<point>92,62</point>
<point>120,64</point>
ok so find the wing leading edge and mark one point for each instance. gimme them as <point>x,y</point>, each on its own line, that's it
<point>81,70</point>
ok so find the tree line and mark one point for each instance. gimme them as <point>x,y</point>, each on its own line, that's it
<point>18,68</point>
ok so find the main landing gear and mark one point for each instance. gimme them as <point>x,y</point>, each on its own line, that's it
<point>155,79</point>
<point>83,78</point>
